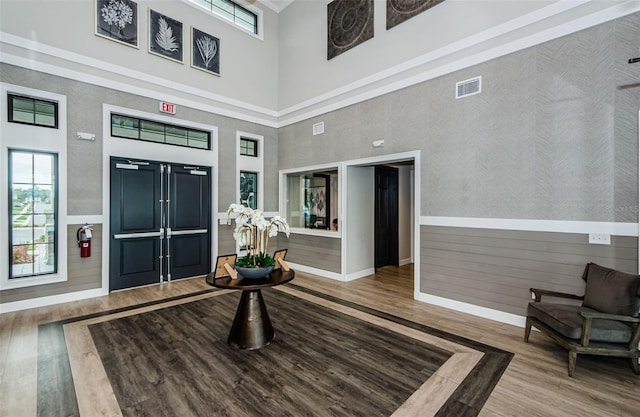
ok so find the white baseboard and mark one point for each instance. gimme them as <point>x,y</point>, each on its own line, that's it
<point>487,313</point>
<point>360,274</point>
<point>315,271</point>
<point>50,300</point>
<point>404,262</point>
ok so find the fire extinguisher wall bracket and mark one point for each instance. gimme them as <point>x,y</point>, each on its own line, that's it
<point>84,241</point>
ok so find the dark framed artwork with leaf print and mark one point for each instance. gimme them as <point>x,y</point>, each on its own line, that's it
<point>165,36</point>
<point>117,20</point>
<point>205,52</point>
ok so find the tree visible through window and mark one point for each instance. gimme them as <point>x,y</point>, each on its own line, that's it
<point>249,189</point>
<point>33,220</point>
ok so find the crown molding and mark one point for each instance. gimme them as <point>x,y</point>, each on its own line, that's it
<point>223,105</point>
<point>375,85</point>
<point>276,5</point>
<point>384,82</point>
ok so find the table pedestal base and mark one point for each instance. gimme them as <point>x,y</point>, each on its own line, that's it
<point>251,327</point>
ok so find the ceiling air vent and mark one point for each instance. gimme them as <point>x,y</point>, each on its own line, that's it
<point>469,87</point>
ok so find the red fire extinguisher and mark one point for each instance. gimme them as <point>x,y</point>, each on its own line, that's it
<point>84,240</point>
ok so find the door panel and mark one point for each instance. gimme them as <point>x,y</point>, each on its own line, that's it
<point>139,186</point>
<point>139,256</point>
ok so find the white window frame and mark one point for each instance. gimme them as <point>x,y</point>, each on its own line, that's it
<point>250,164</point>
<point>284,198</point>
<point>42,139</point>
<point>258,12</point>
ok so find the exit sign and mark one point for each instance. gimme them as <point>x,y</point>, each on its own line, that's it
<point>167,107</point>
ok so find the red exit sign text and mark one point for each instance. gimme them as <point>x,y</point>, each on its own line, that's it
<point>167,107</point>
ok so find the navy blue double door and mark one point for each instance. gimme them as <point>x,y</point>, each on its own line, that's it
<point>160,222</point>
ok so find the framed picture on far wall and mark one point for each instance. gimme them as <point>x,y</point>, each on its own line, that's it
<point>205,52</point>
<point>165,36</point>
<point>117,20</point>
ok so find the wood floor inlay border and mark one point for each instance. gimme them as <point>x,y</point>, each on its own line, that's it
<point>460,387</point>
<point>471,395</point>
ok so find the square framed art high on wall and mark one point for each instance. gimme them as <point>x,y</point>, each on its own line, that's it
<point>165,36</point>
<point>205,52</point>
<point>117,20</point>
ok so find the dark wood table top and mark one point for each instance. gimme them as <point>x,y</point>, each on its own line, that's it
<point>276,277</point>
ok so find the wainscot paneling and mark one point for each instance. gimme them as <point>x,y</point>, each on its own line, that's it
<point>313,251</point>
<point>82,273</point>
<point>226,242</point>
<point>495,268</point>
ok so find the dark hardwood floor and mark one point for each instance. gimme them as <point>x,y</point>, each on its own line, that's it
<point>531,382</point>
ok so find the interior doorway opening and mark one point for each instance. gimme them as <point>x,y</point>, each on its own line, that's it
<point>382,217</point>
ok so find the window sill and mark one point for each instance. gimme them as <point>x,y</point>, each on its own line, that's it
<point>316,232</point>
<point>9,284</point>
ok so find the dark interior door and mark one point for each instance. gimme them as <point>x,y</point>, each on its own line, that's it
<point>136,220</point>
<point>160,222</point>
<point>386,216</point>
<point>189,221</point>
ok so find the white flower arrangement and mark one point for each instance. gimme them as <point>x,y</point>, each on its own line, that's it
<point>253,231</point>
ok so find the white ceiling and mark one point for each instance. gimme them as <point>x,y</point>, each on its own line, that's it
<point>275,5</point>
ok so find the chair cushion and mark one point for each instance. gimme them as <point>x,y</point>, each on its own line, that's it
<point>567,321</point>
<point>610,291</point>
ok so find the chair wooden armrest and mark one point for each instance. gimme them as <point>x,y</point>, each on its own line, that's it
<point>587,319</point>
<point>538,293</point>
<point>605,316</point>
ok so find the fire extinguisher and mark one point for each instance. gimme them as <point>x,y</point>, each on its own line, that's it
<point>84,240</point>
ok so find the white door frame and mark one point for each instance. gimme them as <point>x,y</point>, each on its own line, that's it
<point>344,197</point>
<point>158,152</point>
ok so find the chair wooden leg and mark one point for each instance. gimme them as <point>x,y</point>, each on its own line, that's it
<point>573,357</point>
<point>527,330</point>
<point>635,365</point>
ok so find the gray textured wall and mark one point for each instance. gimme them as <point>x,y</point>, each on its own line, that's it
<point>82,273</point>
<point>553,135</point>
<point>84,163</point>
<point>85,102</point>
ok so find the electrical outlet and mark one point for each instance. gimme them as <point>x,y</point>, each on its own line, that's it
<point>599,239</point>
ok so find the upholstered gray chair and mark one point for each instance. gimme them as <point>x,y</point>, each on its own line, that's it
<point>606,323</point>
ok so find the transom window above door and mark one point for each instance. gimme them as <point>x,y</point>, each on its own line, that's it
<point>151,131</point>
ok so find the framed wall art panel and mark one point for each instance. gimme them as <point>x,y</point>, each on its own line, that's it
<point>349,23</point>
<point>117,20</point>
<point>400,10</point>
<point>205,52</point>
<point>165,36</point>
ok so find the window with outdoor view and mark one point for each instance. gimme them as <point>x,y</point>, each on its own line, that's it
<point>33,220</point>
<point>128,127</point>
<point>249,189</point>
<point>232,12</point>
<point>248,147</point>
<point>32,111</point>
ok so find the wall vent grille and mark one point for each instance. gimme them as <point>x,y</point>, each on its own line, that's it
<point>318,128</point>
<point>469,87</point>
